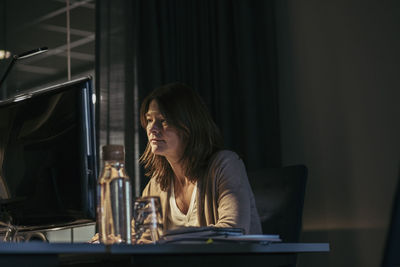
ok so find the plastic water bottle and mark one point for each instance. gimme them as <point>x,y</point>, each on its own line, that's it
<point>114,200</point>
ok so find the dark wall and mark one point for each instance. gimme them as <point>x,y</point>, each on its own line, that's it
<point>339,65</point>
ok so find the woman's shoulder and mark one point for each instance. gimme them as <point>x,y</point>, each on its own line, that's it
<point>227,166</point>
<point>226,155</point>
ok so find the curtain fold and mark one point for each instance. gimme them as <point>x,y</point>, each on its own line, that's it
<point>223,49</point>
<point>226,51</point>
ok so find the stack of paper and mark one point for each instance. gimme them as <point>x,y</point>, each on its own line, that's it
<point>214,234</point>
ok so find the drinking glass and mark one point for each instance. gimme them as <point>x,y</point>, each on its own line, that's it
<point>10,232</point>
<point>147,216</point>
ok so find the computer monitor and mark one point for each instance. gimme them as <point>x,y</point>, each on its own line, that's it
<point>48,163</point>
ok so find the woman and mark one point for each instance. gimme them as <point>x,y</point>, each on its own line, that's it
<point>198,183</point>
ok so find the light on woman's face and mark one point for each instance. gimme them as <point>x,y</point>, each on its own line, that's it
<point>163,138</point>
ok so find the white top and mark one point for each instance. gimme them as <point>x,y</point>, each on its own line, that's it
<point>177,218</point>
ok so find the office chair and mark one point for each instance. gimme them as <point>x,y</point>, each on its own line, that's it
<point>279,195</point>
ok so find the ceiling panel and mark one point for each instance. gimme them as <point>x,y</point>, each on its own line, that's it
<point>26,26</point>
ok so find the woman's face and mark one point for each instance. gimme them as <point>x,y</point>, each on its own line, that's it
<point>163,138</point>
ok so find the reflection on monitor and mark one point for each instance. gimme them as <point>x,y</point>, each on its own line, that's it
<point>48,161</point>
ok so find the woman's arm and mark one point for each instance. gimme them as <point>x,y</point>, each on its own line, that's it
<point>232,192</point>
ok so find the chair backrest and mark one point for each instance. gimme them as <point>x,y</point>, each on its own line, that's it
<point>279,195</point>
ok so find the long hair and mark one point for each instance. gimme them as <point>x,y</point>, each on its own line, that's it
<point>183,109</point>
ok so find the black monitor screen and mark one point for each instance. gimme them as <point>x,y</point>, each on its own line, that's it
<point>48,155</point>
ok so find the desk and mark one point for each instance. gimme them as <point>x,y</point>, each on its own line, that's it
<point>189,255</point>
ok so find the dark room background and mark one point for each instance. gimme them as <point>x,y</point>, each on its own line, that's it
<point>289,82</point>
<point>223,49</point>
<point>339,89</point>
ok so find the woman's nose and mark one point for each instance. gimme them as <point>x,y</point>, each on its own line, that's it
<point>154,128</point>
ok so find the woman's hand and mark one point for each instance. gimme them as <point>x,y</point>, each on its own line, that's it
<point>143,241</point>
<point>95,239</point>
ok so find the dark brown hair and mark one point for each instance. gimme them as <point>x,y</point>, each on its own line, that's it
<point>183,109</point>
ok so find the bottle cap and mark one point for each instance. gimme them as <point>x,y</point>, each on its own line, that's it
<point>113,152</point>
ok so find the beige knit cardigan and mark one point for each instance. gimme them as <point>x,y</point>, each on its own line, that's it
<point>224,199</point>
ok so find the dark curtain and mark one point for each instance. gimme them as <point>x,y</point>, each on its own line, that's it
<point>223,49</point>
<point>116,122</point>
